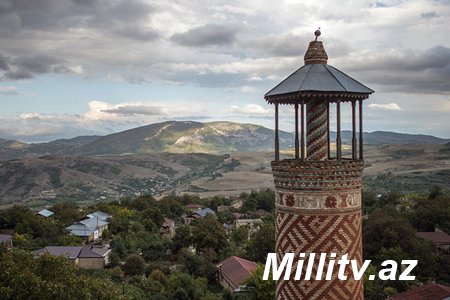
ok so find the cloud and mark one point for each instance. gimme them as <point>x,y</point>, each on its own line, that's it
<point>9,91</point>
<point>26,67</point>
<point>388,106</point>
<point>136,110</point>
<point>3,63</point>
<point>101,118</point>
<point>55,15</point>
<point>429,15</point>
<point>137,33</point>
<point>248,89</point>
<point>250,109</point>
<point>396,47</point>
<point>404,70</point>
<point>207,35</point>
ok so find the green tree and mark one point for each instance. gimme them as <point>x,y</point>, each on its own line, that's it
<point>181,285</point>
<point>182,238</point>
<point>154,214</point>
<point>47,277</point>
<point>134,265</point>
<point>240,235</point>
<point>257,288</point>
<point>208,233</point>
<point>383,230</point>
<point>261,243</point>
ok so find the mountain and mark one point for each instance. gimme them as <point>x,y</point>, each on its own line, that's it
<point>189,137</point>
<point>219,137</point>
<point>184,137</point>
<point>387,137</point>
<point>10,149</point>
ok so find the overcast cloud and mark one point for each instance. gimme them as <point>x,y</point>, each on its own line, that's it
<point>220,56</point>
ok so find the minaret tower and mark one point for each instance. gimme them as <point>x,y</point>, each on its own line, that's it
<point>318,195</point>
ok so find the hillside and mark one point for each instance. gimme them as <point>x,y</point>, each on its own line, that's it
<point>50,179</point>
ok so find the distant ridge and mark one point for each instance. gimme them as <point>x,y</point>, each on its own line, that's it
<point>187,137</point>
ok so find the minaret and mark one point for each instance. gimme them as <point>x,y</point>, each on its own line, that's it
<point>318,196</point>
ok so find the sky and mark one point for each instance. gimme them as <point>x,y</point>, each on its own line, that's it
<point>85,67</point>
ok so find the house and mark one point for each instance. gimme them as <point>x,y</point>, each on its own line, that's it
<point>85,257</point>
<point>261,213</point>
<point>167,229</point>
<point>6,241</point>
<point>237,215</point>
<point>193,208</point>
<point>222,208</point>
<point>426,292</point>
<point>252,224</point>
<point>237,204</point>
<point>89,229</point>
<point>200,214</point>
<point>439,238</point>
<point>99,215</point>
<point>248,222</point>
<point>45,213</point>
<point>233,271</point>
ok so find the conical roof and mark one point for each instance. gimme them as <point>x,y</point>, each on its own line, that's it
<point>317,79</point>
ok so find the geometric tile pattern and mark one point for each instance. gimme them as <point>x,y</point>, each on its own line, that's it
<point>318,210</point>
<point>321,232</point>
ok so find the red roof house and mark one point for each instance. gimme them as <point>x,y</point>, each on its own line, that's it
<point>439,238</point>
<point>233,271</point>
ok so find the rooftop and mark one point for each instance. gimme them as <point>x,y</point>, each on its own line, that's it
<point>317,79</point>
<point>93,222</point>
<point>100,215</point>
<point>236,270</point>
<point>45,213</point>
<point>70,252</point>
<point>438,238</point>
<point>168,223</point>
<point>202,213</point>
<point>426,292</point>
<point>5,237</point>
<point>74,252</point>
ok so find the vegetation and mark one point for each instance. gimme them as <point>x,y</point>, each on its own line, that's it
<point>48,277</point>
<point>390,233</point>
<point>145,265</point>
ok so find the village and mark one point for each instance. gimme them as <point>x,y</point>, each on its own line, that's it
<point>224,240</point>
<point>94,240</point>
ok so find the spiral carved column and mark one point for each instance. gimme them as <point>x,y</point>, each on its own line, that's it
<point>316,130</point>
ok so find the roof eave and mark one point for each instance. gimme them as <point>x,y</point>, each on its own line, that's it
<point>332,96</point>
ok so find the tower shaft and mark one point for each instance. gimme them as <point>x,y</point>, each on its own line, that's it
<point>318,210</point>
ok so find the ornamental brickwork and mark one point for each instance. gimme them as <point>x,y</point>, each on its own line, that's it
<point>318,210</point>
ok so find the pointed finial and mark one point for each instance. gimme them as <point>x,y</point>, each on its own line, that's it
<point>317,33</point>
<point>316,53</point>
